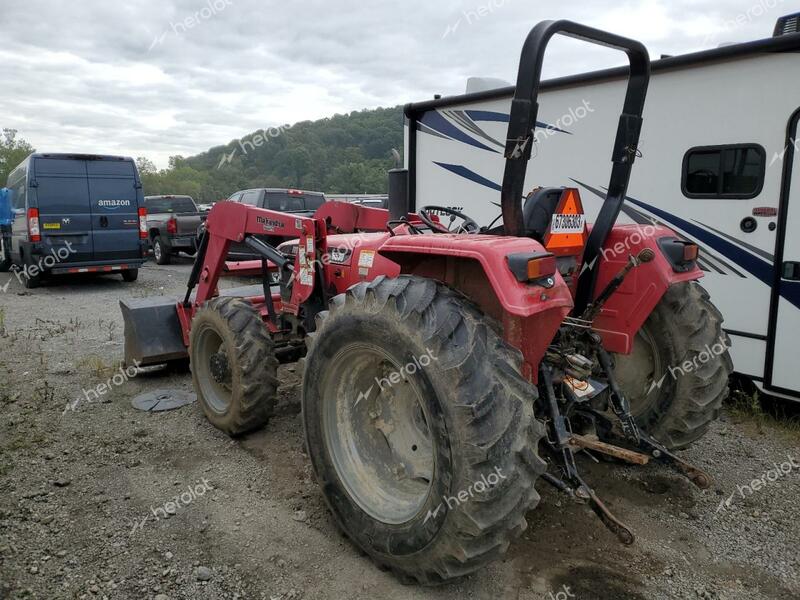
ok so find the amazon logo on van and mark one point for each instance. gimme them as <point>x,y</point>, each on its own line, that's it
<point>113,204</point>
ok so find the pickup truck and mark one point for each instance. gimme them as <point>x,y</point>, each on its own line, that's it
<point>172,225</point>
<point>293,202</point>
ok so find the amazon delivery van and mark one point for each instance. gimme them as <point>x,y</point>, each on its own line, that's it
<point>76,213</point>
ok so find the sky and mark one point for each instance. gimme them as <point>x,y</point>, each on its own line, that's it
<point>157,78</point>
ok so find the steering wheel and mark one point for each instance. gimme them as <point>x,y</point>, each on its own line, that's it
<point>468,225</point>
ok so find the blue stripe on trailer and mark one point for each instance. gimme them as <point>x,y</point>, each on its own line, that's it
<point>498,117</point>
<point>438,123</point>
<point>464,172</point>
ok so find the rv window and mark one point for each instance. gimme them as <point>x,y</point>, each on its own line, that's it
<point>724,171</point>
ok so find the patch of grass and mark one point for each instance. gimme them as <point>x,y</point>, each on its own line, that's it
<point>97,366</point>
<point>24,442</point>
<point>747,403</point>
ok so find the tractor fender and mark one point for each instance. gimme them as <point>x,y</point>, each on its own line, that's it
<point>441,254</point>
<point>477,266</point>
<point>630,306</point>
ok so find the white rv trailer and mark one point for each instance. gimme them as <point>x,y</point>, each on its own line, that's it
<point>719,164</point>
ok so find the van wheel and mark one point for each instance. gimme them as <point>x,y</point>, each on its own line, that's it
<point>420,428</point>
<point>130,275</point>
<point>161,251</point>
<point>5,252</point>
<point>31,282</point>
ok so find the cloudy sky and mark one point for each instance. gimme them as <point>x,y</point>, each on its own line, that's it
<point>162,77</point>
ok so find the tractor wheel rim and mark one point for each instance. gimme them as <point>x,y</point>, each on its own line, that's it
<point>377,433</point>
<point>643,371</point>
<point>211,352</point>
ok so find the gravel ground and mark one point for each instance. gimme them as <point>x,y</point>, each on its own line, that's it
<point>85,492</point>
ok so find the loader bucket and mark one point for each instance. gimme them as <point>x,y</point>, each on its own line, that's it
<point>153,333</point>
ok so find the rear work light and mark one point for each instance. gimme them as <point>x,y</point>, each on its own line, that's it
<point>143,223</point>
<point>532,266</point>
<point>295,193</point>
<point>691,252</point>
<point>172,226</point>
<point>33,225</point>
<point>680,254</point>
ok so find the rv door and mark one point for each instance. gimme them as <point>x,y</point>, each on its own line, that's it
<point>785,375</point>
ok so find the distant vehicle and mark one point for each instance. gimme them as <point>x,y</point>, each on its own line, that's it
<point>371,200</point>
<point>6,218</point>
<point>295,202</point>
<point>172,226</point>
<point>76,213</point>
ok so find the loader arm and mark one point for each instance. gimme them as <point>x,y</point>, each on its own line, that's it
<point>231,222</point>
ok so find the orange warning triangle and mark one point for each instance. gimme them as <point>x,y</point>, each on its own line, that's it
<point>570,203</point>
<point>567,233</point>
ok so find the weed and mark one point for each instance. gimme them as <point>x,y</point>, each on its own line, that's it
<point>96,366</point>
<point>24,442</point>
<point>747,403</point>
<point>110,327</point>
<point>45,392</point>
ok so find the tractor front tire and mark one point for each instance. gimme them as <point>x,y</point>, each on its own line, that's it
<point>676,378</point>
<point>420,428</point>
<point>234,369</point>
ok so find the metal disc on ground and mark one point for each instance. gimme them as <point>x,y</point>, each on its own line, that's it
<point>161,400</point>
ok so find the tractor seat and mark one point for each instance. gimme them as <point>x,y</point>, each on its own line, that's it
<point>540,205</point>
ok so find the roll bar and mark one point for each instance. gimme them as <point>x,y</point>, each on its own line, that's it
<point>522,125</point>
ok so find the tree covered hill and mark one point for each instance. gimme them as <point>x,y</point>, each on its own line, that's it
<point>341,154</point>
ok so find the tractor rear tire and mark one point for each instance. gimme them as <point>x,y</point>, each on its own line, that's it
<point>676,378</point>
<point>234,369</point>
<point>420,428</point>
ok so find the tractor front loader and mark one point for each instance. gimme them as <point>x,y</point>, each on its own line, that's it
<point>449,370</point>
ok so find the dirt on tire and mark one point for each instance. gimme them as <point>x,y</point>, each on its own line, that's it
<point>479,413</point>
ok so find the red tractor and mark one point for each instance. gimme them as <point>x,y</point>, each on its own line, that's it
<point>447,371</point>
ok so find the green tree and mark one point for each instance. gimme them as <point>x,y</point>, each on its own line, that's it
<point>13,151</point>
<point>342,154</point>
<point>145,165</point>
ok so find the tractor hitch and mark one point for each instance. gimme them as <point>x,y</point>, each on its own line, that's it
<point>697,476</point>
<point>563,443</point>
<point>583,494</point>
<point>644,442</point>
